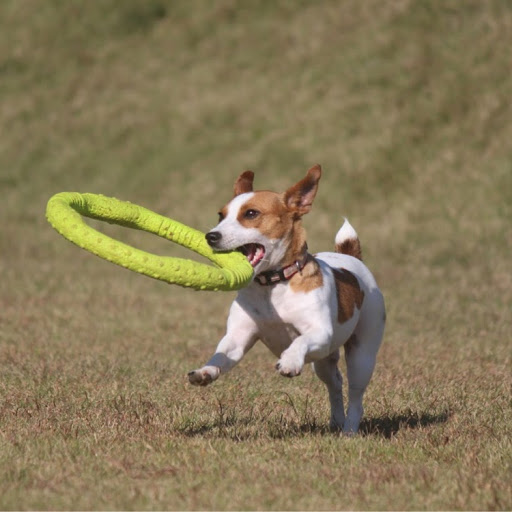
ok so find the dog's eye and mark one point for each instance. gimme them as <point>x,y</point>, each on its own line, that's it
<point>251,214</point>
<point>221,216</point>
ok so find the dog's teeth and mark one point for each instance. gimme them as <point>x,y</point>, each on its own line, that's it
<point>253,252</point>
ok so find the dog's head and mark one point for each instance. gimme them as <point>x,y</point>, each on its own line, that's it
<point>265,225</point>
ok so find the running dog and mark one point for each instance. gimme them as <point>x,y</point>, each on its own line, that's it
<point>303,307</point>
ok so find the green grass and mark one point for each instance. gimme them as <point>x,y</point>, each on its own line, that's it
<point>407,107</point>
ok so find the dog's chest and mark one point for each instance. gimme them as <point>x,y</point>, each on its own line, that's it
<point>279,314</point>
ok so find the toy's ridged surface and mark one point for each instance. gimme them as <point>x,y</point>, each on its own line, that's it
<point>64,212</point>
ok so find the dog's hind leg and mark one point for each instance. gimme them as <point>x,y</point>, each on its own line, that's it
<point>361,354</point>
<point>360,366</point>
<point>327,371</point>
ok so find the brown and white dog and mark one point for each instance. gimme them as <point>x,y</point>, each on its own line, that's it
<point>302,307</point>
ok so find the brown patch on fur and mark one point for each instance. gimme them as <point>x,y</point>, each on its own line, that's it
<point>349,294</point>
<point>274,219</point>
<point>223,213</point>
<point>299,198</point>
<point>310,278</point>
<point>352,247</point>
<point>297,245</point>
<point>243,183</point>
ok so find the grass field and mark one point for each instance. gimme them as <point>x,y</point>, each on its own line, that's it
<point>407,106</point>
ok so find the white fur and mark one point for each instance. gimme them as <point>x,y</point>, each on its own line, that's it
<point>346,232</point>
<point>300,327</point>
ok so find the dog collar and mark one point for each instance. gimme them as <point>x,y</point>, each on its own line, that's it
<point>271,277</point>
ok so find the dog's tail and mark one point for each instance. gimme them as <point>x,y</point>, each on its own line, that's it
<point>347,241</point>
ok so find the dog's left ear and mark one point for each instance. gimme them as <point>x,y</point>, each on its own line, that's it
<point>299,198</point>
<point>243,183</point>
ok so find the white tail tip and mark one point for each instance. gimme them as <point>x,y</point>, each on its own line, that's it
<point>346,232</point>
<point>347,241</point>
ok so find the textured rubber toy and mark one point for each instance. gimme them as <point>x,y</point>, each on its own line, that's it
<point>64,211</point>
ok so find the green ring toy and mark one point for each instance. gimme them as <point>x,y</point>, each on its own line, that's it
<point>64,210</point>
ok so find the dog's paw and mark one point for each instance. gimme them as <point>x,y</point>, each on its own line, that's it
<point>204,376</point>
<point>289,369</point>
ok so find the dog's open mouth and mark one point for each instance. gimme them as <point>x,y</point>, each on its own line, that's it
<point>253,252</point>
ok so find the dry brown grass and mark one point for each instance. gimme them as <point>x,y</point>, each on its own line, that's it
<point>407,107</point>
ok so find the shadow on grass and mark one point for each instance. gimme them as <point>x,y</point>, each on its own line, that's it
<point>244,428</point>
<point>388,426</point>
<point>243,432</point>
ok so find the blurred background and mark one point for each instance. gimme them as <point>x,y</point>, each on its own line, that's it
<point>406,104</point>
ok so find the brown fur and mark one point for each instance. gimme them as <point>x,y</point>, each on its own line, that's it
<point>223,213</point>
<point>352,247</point>
<point>280,214</point>
<point>243,183</point>
<point>309,278</point>
<point>349,294</point>
<point>275,222</point>
<point>299,198</point>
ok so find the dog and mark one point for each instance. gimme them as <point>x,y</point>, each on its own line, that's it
<point>303,307</point>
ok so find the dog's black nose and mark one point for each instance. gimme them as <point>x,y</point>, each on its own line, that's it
<point>213,238</point>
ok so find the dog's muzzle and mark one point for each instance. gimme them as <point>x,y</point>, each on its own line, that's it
<point>213,238</point>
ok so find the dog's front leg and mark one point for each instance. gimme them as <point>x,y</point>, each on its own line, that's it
<point>240,336</point>
<point>229,352</point>
<point>315,345</point>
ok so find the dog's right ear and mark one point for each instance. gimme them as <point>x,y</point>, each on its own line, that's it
<point>244,183</point>
<point>299,198</point>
